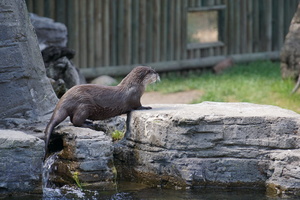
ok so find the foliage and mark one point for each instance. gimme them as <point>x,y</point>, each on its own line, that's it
<point>76,179</point>
<point>117,135</point>
<point>256,82</point>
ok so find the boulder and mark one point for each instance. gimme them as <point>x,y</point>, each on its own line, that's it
<point>49,33</point>
<point>212,144</point>
<point>104,80</point>
<point>84,152</point>
<point>21,160</point>
<point>290,52</point>
<point>26,93</point>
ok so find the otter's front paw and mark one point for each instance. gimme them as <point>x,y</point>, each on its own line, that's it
<point>144,108</point>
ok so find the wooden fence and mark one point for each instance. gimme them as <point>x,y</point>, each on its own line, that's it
<point>107,33</point>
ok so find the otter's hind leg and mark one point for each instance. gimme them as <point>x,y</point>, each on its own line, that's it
<point>79,117</point>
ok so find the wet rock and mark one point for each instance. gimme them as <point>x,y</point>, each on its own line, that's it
<point>21,159</point>
<point>84,151</point>
<point>216,144</point>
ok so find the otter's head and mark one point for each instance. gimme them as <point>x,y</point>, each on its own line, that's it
<point>141,75</point>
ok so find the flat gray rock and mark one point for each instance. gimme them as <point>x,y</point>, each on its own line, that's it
<point>20,162</point>
<point>227,144</point>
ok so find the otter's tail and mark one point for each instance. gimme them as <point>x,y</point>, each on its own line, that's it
<point>56,118</point>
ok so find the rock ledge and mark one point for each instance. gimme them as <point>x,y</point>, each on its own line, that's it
<point>213,144</point>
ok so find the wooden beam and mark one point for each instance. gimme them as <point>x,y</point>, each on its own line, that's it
<point>167,66</point>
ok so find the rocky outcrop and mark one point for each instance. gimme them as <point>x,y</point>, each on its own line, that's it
<point>26,93</point>
<point>290,53</point>
<point>213,144</point>
<point>57,57</point>
<point>21,160</point>
<point>49,33</point>
<point>84,154</point>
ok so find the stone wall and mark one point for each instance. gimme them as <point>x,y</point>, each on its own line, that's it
<point>213,144</point>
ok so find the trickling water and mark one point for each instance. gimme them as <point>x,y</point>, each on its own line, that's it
<point>50,191</point>
<point>47,168</point>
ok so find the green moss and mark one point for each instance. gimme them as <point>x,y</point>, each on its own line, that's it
<point>117,135</point>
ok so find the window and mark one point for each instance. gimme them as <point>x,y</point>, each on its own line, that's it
<point>203,27</point>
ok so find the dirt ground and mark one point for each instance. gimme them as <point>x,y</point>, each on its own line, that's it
<point>172,98</point>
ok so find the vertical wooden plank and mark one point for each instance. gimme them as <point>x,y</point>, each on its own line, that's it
<point>156,31</point>
<point>29,4</point>
<point>256,20</point>
<point>226,29</point>
<point>268,24</point>
<point>164,30</point>
<point>232,28</point>
<point>243,26</point>
<point>177,29</point>
<point>171,21</point>
<point>83,33</point>
<point>90,34</point>
<point>211,49</point>
<point>47,8</point>
<point>38,7</point>
<point>192,3</point>
<point>72,33</point>
<point>249,22</point>
<point>127,33</point>
<point>98,59</point>
<point>120,33</point>
<point>275,28</point>
<point>113,32</point>
<point>281,31</point>
<point>60,11</point>
<point>106,32</point>
<point>135,32</point>
<point>237,11</point>
<point>183,29</point>
<point>149,31</point>
<point>52,8</point>
<point>142,31</point>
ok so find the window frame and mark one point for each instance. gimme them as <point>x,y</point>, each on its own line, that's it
<point>221,10</point>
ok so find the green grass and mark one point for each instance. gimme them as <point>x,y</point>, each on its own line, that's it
<point>256,82</point>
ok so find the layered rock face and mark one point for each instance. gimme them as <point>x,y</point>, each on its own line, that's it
<point>21,158</point>
<point>290,54</point>
<point>26,93</point>
<point>85,154</point>
<point>229,144</point>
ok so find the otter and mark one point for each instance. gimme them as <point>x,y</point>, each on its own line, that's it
<point>96,102</point>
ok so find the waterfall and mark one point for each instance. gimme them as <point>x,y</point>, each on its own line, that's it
<point>51,191</point>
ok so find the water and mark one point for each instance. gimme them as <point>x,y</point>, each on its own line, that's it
<point>134,191</point>
<point>153,194</point>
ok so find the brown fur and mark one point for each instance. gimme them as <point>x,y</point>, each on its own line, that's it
<point>95,102</point>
